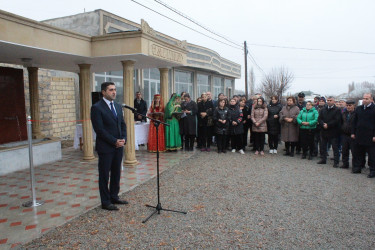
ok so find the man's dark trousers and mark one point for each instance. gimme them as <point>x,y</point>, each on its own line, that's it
<point>323,148</point>
<point>359,159</point>
<point>110,163</point>
<point>347,147</point>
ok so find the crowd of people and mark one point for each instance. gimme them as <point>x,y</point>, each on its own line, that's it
<point>301,125</point>
<point>308,128</point>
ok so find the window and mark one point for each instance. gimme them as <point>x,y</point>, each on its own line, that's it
<point>203,83</point>
<point>218,86</point>
<point>228,87</point>
<point>151,81</point>
<point>184,82</point>
<point>117,78</point>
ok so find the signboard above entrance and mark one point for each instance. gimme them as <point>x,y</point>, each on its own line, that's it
<point>165,53</point>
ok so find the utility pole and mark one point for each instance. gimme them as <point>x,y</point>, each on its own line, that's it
<point>246,89</point>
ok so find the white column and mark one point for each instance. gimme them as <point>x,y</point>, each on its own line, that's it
<point>128,92</point>
<point>85,102</point>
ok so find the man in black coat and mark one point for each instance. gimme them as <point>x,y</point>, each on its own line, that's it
<point>109,125</point>
<point>330,123</point>
<point>363,133</point>
<point>205,112</point>
<point>346,141</point>
<point>189,120</point>
<point>141,106</point>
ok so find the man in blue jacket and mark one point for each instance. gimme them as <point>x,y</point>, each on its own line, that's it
<point>109,125</point>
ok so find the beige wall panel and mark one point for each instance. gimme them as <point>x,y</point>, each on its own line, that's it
<point>116,47</point>
<point>29,35</point>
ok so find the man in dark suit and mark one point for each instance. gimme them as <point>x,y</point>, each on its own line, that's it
<point>330,123</point>
<point>109,125</point>
<point>363,133</point>
<point>141,106</point>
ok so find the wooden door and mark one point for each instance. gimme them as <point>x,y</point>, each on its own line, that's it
<point>12,106</point>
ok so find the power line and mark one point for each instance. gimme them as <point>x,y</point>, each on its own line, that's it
<point>312,49</point>
<point>186,25</point>
<point>195,22</point>
<point>256,64</point>
<point>325,77</point>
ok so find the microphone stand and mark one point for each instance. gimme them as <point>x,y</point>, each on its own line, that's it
<point>158,207</point>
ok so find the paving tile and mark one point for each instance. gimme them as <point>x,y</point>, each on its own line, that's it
<point>30,227</point>
<point>14,224</point>
<point>3,241</point>
<point>15,244</point>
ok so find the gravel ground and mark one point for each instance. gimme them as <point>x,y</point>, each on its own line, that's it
<point>234,201</point>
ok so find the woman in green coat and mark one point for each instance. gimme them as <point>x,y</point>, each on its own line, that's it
<point>307,119</point>
<point>171,115</point>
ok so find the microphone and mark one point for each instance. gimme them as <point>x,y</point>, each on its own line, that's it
<point>128,107</point>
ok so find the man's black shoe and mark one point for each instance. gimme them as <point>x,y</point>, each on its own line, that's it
<point>224,151</point>
<point>110,207</point>
<point>310,157</point>
<point>322,162</point>
<point>335,165</point>
<point>356,172</point>
<point>303,156</point>
<point>120,202</point>
<point>344,166</point>
<point>371,175</point>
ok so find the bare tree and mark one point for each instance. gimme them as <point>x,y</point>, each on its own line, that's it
<point>277,82</point>
<point>358,89</point>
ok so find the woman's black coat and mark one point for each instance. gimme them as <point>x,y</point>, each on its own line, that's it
<point>204,107</point>
<point>190,120</point>
<point>273,124</point>
<point>235,114</point>
<point>222,114</point>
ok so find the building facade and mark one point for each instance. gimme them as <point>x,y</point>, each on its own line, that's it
<point>204,70</point>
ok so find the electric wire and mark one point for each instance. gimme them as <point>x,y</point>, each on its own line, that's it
<point>185,25</point>
<point>312,49</point>
<point>196,22</point>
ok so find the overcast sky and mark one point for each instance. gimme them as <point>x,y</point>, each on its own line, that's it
<point>340,25</point>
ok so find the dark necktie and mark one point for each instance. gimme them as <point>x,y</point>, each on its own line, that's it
<point>113,110</point>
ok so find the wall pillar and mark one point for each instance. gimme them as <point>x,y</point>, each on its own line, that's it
<point>164,85</point>
<point>85,105</point>
<point>34,102</point>
<point>128,75</point>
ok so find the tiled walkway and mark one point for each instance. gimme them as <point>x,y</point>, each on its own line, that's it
<point>68,187</point>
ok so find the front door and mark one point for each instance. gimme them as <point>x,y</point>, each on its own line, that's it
<point>12,106</point>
